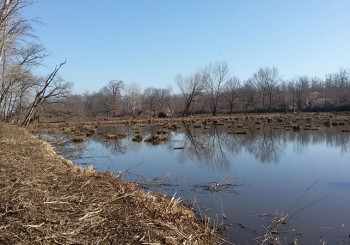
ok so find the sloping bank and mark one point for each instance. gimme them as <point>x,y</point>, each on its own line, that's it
<point>45,199</point>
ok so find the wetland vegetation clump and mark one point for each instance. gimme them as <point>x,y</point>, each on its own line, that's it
<point>159,132</point>
<point>137,138</point>
<point>65,204</point>
<point>197,126</point>
<point>78,139</point>
<point>241,132</point>
<point>174,127</point>
<point>156,139</point>
<point>296,127</point>
<point>115,136</point>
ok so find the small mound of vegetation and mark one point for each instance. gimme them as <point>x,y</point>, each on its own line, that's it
<point>156,139</point>
<point>137,138</point>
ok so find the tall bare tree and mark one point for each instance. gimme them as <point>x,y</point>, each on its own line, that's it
<point>110,97</point>
<point>302,85</point>
<point>132,98</point>
<point>215,78</point>
<point>191,88</point>
<point>231,92</point>
<point>157,99</point>
<point>20,90</point>
<point>150,99</point>
<point>17,55</point>
<point>266,81</point>
<point>248,95</point>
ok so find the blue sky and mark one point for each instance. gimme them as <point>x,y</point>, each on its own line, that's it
<point>149,42</point>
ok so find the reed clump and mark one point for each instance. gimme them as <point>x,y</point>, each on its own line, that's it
<point>156,139</point>
<point>137,138</point>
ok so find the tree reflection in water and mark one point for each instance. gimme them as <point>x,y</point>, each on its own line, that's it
<point>206,147</point>
<point>266,144</point>
<point>212,146</point>
<point>216,148</point>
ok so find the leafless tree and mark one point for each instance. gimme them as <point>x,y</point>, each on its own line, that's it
<point>133,99</point>
<point>110,97</point>
<point>51,87</point>
<point>115,87</point>
<point>266,81</point>
<point>157,99</point>
<point>91,102</point>
<point>150,100</point>
<point>191,88</point>
<point>302,85</point>
<point>20,90</point>
<point>231,92</point>
<point>17,56</point>
<point>337,87</point>
<point>215,78</point>
<point>248,95</point>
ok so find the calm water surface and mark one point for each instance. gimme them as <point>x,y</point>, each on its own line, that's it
<point>271,168</point>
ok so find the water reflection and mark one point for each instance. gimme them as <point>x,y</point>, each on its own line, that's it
<point>340,184</point>
<point>266,145</point>
<point>207,147</point>
<point>216,146</point>
<point>64,145</point>
<point>116,146</point>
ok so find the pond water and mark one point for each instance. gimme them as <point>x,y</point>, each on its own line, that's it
<point>241,181</point>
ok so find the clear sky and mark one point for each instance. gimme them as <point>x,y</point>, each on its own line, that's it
<point>150,41</point>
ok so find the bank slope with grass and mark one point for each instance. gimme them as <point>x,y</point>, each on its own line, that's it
<point>45,199</point>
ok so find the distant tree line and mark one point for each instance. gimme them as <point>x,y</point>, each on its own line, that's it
<point>215,90</point>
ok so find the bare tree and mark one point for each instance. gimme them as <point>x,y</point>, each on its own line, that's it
<point>150,98</point>
<point>191,88</point>
<point>248,95</point>
<point>52,87</point>
<point>266,81</point>
<point>337,86</point>
<point>231,92</point>
<point>110,97</point>
<point>18,94</point>
<point>17,56</point>
<point>157,99</point>
<point>302,85</point>
<point>132,98</point>
<point>215,78</point>
<point>115,87</point>
<point>91,104</point>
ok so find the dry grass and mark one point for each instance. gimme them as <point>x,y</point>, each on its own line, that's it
<point>45,199</point>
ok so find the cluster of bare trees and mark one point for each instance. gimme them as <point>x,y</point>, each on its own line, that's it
<point>120,99</point>
<point>214,90</point>
<point>22,93</point>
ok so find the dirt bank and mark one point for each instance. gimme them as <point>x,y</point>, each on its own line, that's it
<point>45,199</point>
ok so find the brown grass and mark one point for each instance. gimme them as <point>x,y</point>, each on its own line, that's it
<point>45,199</point>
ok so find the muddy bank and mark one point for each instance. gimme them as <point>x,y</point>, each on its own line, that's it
<point>45,199</point>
